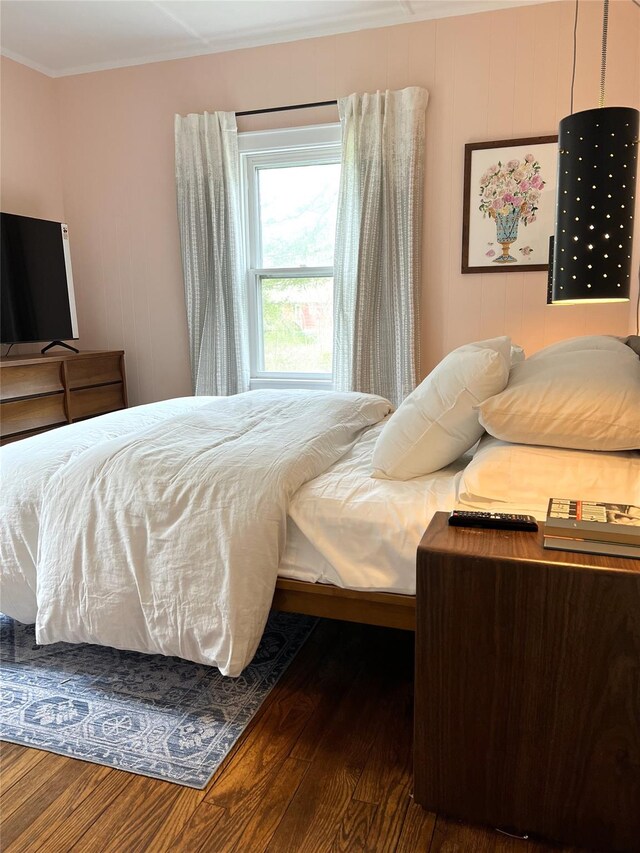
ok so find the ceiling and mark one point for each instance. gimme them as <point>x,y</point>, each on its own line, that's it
<point>61,37</point>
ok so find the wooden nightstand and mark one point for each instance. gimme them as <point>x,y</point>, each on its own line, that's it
<point>527,693</point>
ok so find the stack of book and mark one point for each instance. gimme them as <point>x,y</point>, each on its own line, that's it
<point>593,528</point>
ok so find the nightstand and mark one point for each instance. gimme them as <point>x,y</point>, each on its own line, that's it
<point>527,686</point>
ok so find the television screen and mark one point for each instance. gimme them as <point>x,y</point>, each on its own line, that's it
<point>36,284</point>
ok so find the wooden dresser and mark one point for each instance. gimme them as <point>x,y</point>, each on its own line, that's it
<point>40,392</point>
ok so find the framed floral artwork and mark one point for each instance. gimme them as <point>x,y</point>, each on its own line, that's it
<point>509,204</point>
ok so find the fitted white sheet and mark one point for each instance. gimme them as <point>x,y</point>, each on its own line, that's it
<point>351,530</point>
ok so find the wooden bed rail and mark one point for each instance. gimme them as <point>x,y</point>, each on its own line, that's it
<point>386,609</point>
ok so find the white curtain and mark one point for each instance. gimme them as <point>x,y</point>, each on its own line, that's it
<point>208,189</point>
<point>378,242</point>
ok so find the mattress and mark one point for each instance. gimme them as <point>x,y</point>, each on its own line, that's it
<point>351,530</point>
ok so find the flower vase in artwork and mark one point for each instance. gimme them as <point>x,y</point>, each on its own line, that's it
<point>510,194</point>
<point>506,233</point>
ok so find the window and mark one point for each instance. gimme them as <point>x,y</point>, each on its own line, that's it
<point>291,180</point>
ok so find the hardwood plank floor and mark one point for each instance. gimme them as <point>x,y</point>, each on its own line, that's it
<point>324,766</point>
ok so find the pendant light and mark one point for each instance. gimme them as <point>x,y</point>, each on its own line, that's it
<point>597,173</point>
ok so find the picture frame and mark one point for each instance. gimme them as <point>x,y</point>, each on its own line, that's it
<point>509,204</point>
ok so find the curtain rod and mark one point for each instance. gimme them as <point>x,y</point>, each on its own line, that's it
<point>282,109</point>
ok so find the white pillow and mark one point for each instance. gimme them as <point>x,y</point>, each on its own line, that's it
<point>525,477</point>
<point>598,342</point>
<point>587,400</point>
<point>438,421</point>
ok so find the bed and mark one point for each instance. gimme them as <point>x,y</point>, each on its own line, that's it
<point>343,547</point>
<point>350,540</point>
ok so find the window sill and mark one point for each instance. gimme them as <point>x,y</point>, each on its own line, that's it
<point>256,384</point>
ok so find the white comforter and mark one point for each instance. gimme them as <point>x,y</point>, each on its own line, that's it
<point>163,533</point>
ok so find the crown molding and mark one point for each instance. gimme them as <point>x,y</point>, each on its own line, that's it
<point>22,60</point>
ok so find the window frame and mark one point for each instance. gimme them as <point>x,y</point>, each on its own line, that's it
<point>295,146</point>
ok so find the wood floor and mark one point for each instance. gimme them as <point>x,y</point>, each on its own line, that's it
<point>325,766</point>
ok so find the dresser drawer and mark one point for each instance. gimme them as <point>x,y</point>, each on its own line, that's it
<point>32,414</point>
<point>29,380</point>
<point>83,372</point>
<point>96,401</point>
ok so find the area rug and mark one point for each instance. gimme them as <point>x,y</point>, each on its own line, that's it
<point>157,716</point>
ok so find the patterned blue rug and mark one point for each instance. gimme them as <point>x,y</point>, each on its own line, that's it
<point>148,714</point>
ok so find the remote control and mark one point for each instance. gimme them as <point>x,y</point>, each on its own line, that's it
<point>492,520</point>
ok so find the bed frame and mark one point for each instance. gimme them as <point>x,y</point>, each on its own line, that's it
<point>389,610</point>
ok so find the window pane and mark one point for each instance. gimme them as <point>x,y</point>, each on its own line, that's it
<point>297,324</point>
<point>298,215</point>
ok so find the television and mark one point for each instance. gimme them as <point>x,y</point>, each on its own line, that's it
<point>36,284</point>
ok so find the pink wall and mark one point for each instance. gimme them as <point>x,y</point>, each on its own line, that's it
<point>30,147</point>
<point>490,76</point>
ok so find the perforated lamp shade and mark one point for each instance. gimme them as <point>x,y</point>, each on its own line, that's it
<point>597,173</point>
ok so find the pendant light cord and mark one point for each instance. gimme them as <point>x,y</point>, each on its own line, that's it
<point>603,59</point>
<point>575,51</point>
<point>636,3</point>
